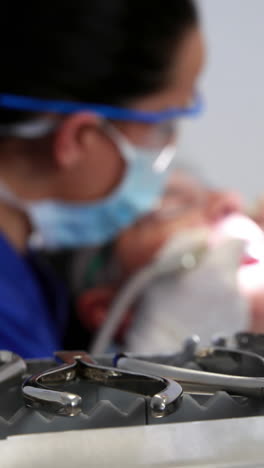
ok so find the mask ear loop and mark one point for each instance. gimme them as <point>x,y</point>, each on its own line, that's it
<point>164,157</point>
<point>29,130</point>
<point>35,239</point>
<point>7,196</point>
<point>124,146</point>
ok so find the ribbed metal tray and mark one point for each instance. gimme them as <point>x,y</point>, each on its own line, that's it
<point>105,407</point>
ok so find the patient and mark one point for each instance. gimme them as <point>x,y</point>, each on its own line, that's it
<point>187,204</point>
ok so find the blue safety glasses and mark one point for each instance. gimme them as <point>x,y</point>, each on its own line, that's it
<point>25,103</point>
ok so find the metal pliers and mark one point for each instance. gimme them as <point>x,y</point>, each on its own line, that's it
<point>250,342</point>
<point>230,361</point>
<point>39,393</point>
<point>217,365</point>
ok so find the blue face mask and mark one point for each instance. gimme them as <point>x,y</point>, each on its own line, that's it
<point>67,225</point>
<point>58,224</point>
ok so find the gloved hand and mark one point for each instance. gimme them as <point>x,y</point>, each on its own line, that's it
<point>185,204</point>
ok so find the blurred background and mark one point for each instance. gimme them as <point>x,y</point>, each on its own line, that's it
<point>227,143</point>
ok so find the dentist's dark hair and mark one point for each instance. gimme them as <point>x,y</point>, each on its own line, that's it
<point>100,51</point>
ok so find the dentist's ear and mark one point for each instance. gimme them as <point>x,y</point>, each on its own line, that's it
<point>68,145</point>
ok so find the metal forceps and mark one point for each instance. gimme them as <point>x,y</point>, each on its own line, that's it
<point>223,359</point>
<point>230,361</point>
<point>196,381</point>
<point>38,392</point>
<point>250,341</point>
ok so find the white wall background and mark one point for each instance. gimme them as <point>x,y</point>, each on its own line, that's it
<point>227,143</point>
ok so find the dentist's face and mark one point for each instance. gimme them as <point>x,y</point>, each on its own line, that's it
<point>96,166</point>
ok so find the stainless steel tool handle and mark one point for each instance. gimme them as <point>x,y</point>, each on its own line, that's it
<point>198,381</point>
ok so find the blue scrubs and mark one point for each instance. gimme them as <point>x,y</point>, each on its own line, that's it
<point>33,305</point>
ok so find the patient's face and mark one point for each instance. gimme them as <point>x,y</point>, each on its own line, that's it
<point>250,275</point>
<point>185,193</point>
<point>186,204</point>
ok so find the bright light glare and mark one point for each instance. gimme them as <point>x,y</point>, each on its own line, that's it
<point>241,227</point>
<point>250,277</point>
